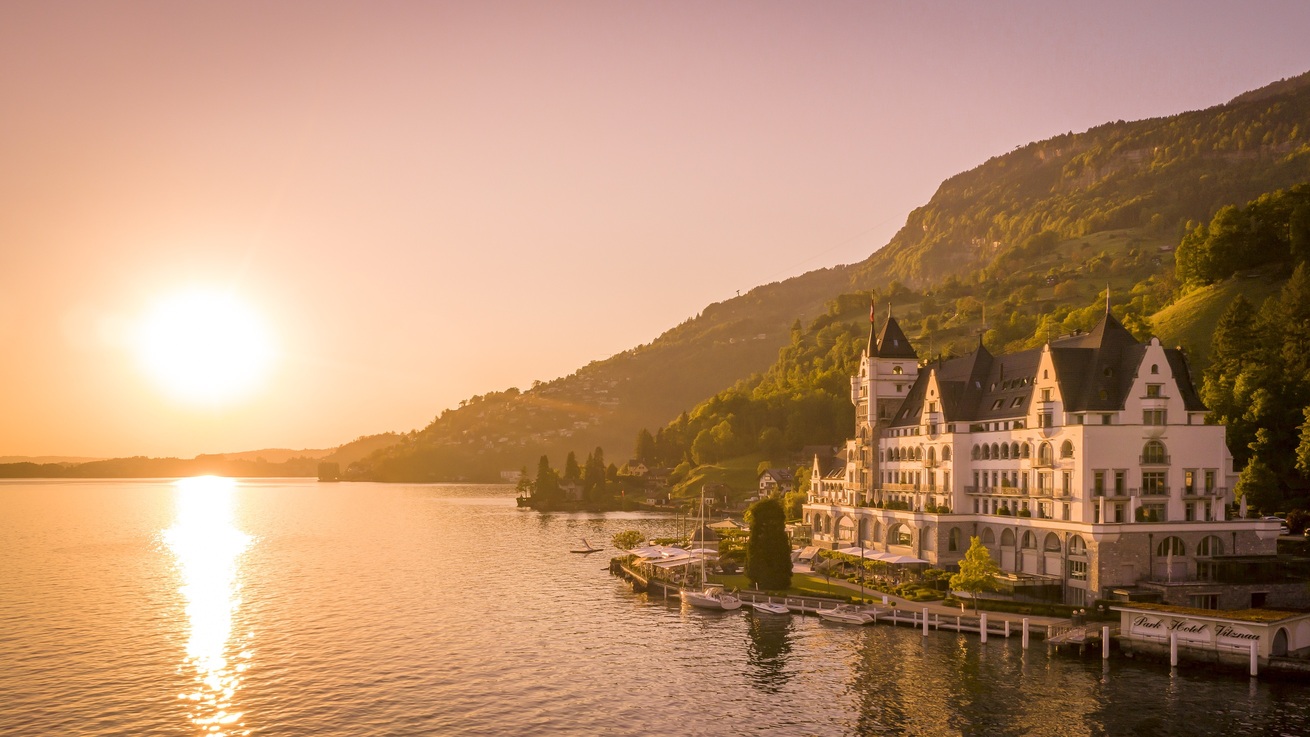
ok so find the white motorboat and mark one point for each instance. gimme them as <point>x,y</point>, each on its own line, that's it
<point>712,597</point>
<point>846,614</point>
<point>769,607</point>
<point>586,548</point>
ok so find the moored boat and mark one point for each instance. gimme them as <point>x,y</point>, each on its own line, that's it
<point>846,614</point>
<point>769,607</point>
<point>712,597</point>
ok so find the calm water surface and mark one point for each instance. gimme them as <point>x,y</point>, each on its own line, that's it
<point>291,607</point>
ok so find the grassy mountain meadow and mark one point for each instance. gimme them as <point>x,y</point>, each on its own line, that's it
<point>1019,249</point>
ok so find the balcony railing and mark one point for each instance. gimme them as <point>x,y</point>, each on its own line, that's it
<point>1212,492</point>
<point>1151,491</point>
<point>1154,460</point>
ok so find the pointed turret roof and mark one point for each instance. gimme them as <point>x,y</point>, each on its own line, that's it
<point>891,342</point>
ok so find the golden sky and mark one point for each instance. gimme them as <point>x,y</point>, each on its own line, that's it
<point>417,202</point>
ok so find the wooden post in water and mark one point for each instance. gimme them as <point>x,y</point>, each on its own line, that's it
<point>1173,649</point>
<point>982,626</point>
<point>1255,660</point>
<point>925,621</point>
<point>1007,629</point>
<point>1105,642</point>
<point>1025,633</point>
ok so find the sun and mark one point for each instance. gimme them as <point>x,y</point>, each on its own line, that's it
<point>204,347</point>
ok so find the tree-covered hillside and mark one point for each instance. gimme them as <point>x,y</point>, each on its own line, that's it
<point>1027,246</point>
<point>605,403</point>
<point>1152,176</point>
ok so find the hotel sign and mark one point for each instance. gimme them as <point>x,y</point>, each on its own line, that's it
<point>1189,630</point>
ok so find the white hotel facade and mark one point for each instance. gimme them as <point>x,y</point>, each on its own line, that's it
<point>1084,466</point>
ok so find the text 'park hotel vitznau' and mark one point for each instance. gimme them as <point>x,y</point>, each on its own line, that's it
<point>1085,466</point>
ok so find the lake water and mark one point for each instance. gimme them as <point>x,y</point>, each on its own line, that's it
<point>292,607</point>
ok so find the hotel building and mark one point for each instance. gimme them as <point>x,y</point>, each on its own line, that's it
<point>1085,466</point>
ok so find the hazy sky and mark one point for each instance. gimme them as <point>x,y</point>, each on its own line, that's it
<point>425,201</point>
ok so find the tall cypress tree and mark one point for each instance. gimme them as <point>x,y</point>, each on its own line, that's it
<point>768,554</point>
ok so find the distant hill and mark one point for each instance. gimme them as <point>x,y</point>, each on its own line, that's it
<point>605,403</point>
<point>1018,248</point>
<point>46,459</point>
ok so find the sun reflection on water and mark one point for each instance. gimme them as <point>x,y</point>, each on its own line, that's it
<point>207,546</point>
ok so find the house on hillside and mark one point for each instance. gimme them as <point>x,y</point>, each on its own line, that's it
<point>776,481</point>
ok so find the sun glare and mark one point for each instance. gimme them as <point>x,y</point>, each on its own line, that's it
<point>204,347</point>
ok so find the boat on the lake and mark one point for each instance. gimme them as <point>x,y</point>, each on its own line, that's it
<point>586,548</point>
<point>846,614</point>
<point>712,597</point>
<point>769,607</point>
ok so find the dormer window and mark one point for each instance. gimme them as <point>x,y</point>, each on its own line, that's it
<point>896,370</point>
<point>1155,368</point>
<point>998,403</point>
<point>1017,401</point>
<point>1153,391</point>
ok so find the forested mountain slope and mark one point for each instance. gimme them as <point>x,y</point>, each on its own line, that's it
<point>1021,248</point>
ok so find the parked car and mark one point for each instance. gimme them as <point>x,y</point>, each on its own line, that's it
<point>1282,528</point>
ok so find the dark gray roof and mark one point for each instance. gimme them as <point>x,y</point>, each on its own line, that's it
<point>892,342</point>
<point>1094,370</point>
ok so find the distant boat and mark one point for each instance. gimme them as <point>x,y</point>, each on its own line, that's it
<point>769,607</point>
<point>712,597</point>
<point>586,548</point>
<point>846,614</point>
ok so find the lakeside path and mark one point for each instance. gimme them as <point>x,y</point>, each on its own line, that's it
<point>908,606</point>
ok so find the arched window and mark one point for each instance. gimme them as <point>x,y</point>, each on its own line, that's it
<point>1169,545</point>
<point>1027,450</point>
<point>1066,450</point>
<point>1052,544</point>
<point>1014,450</point>
<point>976,452</point>
<point>899,534</point>
<point>996,452</point>
<point>1005,451</point>
<point>932,455</point>
<point>918,454</point>
<point>1155,368</point>
<point>988,538</point>
<point>877,531</point>
<point>896,370</point>
<point>946,452</point>
<point>1154,452</point>
<point>1210,546</point>
<point>1029,540</point>
<point>1044,454</point>
<point>986,452</point>
<point>953,542</point>
<point>1007,538</point>
<point>926,536</point>
<point>1077,546</point>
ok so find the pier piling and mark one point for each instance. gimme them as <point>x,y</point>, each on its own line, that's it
<point>1025,633</point>
<point>1105,642</point>
<point>982,626</point>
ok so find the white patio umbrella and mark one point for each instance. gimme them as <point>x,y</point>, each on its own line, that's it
<point>902,559</point>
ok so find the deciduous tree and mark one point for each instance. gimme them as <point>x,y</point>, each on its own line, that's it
<point>977,571</point>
